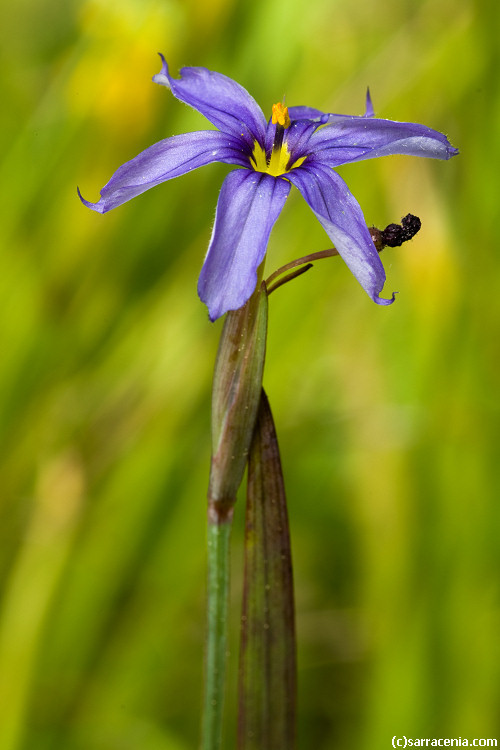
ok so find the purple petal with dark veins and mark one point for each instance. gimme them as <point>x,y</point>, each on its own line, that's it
<point>297,138</point>
<point>249,204</point>
<point>220,99</point>
<point>341,216</point>
<point>345,139</point>
<point>167,159</point>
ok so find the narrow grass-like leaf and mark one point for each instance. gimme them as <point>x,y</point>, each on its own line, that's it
<point>267,684</point>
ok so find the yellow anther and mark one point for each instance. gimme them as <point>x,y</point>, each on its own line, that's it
<point>280,115</point>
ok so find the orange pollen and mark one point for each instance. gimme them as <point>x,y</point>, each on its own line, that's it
<point>280,115</point>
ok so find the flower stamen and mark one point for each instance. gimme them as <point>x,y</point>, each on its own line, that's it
<point>281,119</point>
<point>280,115</point>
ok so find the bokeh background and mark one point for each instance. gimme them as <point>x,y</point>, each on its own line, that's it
<point>387,417</point>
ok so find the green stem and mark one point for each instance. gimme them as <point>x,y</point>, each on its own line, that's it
<point>235,401</point>
<point>218,538</point>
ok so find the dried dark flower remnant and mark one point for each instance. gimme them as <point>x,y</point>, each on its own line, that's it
<point>395,234</point>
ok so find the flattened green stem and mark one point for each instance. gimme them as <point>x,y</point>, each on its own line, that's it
<point>235,400</point>
<point>218,539</point>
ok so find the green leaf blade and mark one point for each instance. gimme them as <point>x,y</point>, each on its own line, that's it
<point>267,689</point>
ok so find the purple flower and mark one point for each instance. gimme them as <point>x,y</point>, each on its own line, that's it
<point>298,146</point>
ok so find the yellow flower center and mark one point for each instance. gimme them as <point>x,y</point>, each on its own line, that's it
<point>278,162</point>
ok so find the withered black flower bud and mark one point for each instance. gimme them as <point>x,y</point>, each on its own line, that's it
<point>392,236</point>
<point>411,225</point>
<point>395,234</point>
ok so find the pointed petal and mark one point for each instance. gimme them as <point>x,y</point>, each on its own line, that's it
<point>223,101</point>
<point>345,139</point>
<point>163,161</point>
<point>369,111</point>
<point>317,115</point>
<point>342,218</point>
<point>249,204</point>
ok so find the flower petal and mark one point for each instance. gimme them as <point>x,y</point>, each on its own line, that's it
<point>304,113</point>
<point>166,159</point>
<point>223,101</point>
<point>249,204</point>
<point>369,111</point>
<point>297,138</point>
<point>342,218</point>
<point>352,138</point>
<point>310,113</point>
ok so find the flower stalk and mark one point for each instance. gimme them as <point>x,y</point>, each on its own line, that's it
<point>218,562</point>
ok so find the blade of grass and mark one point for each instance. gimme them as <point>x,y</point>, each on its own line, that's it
<point>267,682</point>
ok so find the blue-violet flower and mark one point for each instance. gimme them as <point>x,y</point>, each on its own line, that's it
<point>299,146</point>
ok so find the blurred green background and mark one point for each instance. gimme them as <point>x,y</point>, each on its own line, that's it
<point>387,417</point>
